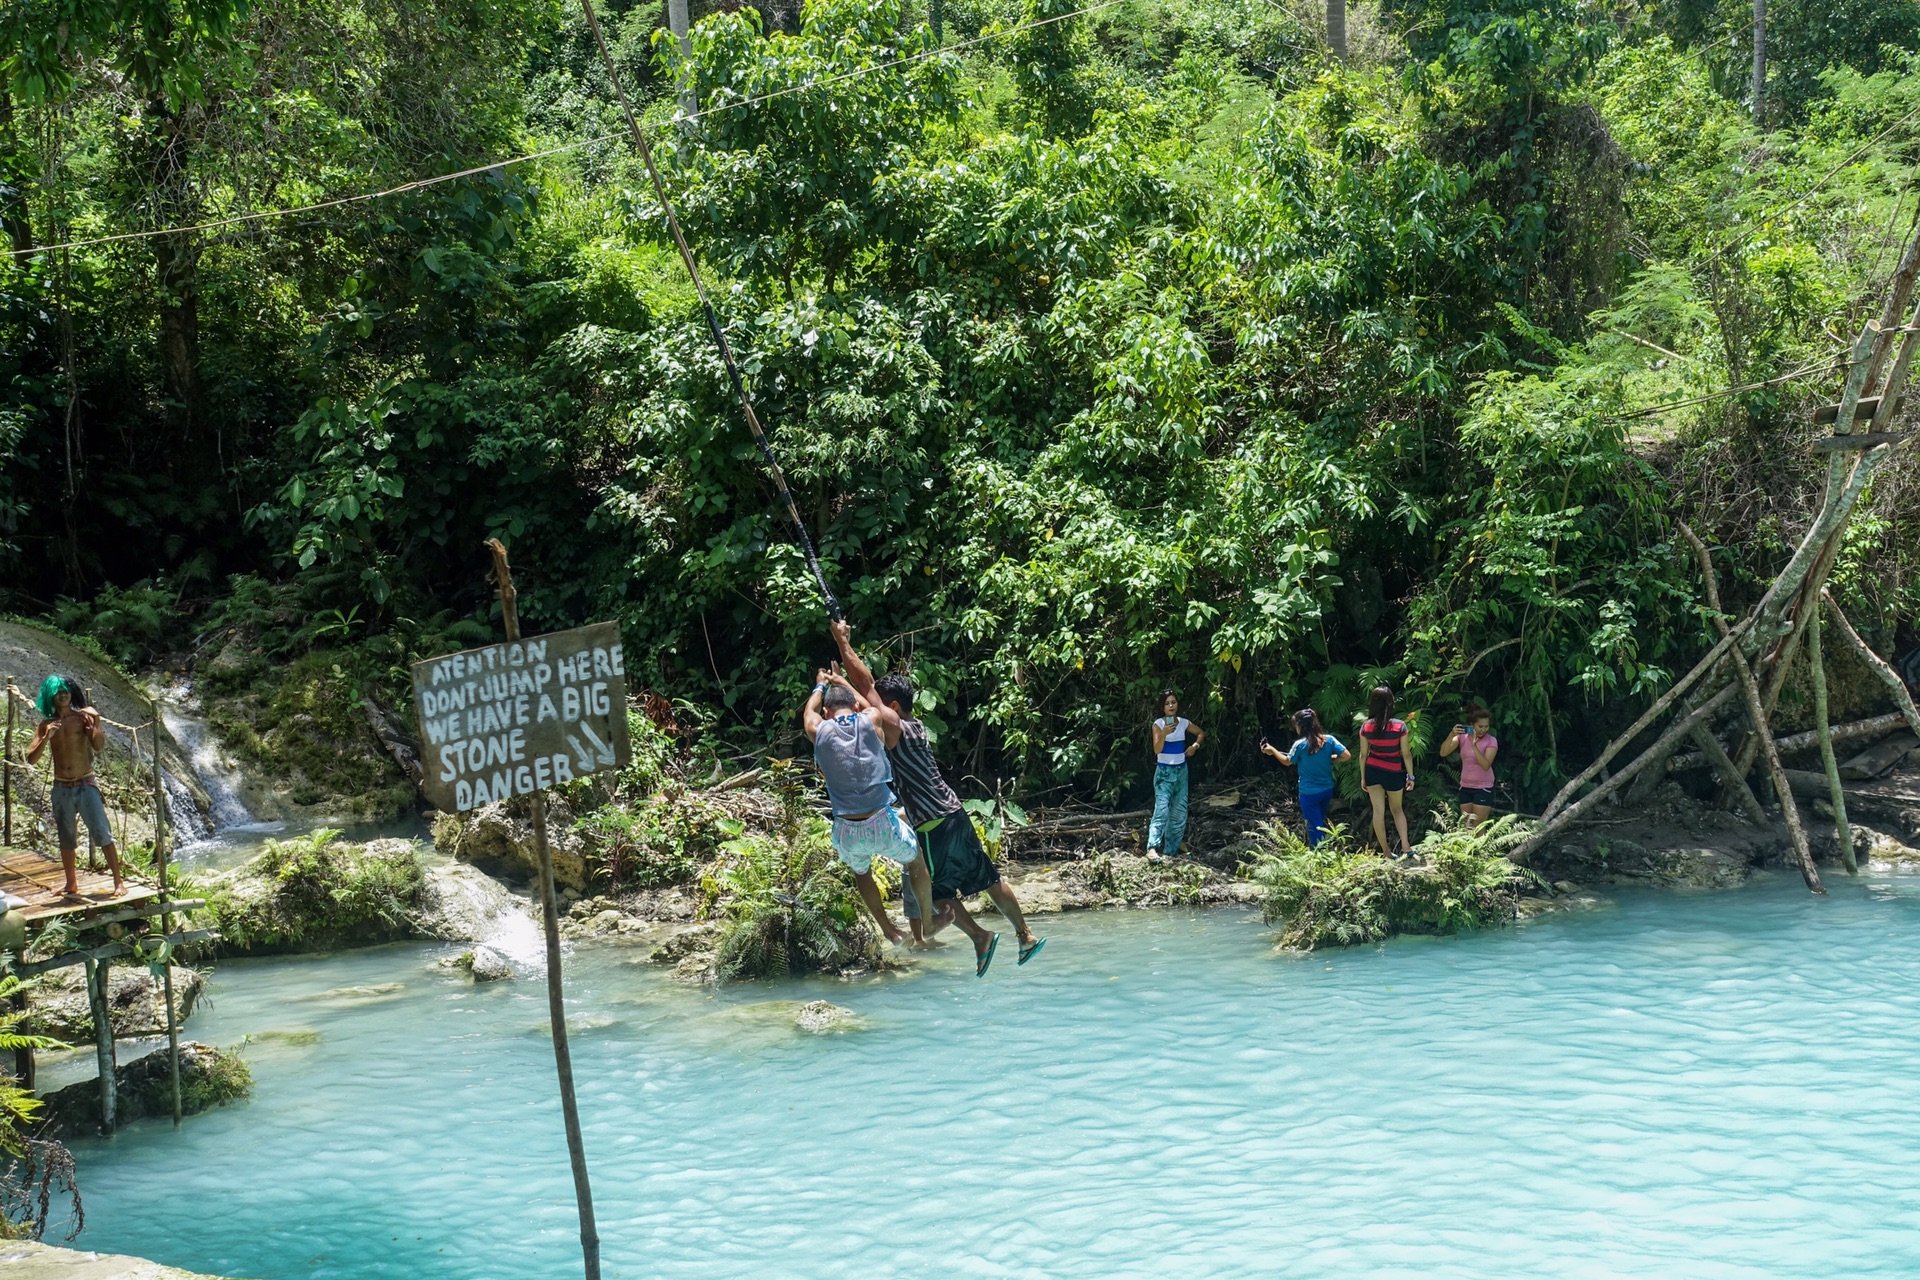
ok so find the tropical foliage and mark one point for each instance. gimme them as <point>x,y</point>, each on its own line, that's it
<point>1339,895</point>
<point>1104,350</point>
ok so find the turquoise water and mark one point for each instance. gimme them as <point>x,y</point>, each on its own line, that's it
<point>1711,1085</point>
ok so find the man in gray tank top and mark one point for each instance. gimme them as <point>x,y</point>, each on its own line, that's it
<point>955,858</point>
<point>850,740</point>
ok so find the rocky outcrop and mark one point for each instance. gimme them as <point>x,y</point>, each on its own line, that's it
<point>498,839</point>
<point>31,1260</point>
<point>488,965</point>
<point>461,903</point>
<point>821,1017</point>
<point>57,1002</point>
<point>209,1078</point>
<point>318,893</point>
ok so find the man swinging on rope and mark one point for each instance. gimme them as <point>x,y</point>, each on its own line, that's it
<point>850,740</point>
<point>959,865</point>
<point>73,730</point>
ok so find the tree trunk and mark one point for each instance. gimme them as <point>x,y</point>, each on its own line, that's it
<point>1337,28</point>
<point>13,180</point>
<point>1760,61</point>
<point>176,271</point>
<point>1836,793</point>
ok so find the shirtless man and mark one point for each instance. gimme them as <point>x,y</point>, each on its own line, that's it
<point>74,732</point>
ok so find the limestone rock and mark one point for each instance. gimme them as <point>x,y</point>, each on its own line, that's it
<point>697,941</point>
<point>1882,852</point>
<point>489,965</point>
<point>57,1003</point>
<point>461,903</point>
<point>822,1017</point>
<point>499,840</point>
<point>31,1260</point>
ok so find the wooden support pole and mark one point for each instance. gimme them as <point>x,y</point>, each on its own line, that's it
<point>1789,807</point>
<point>6,771</point>
<point>556,996</point>
<point>1902,697</point>
<point>23,1067</point>
<point>98,994</point>
<point>1734,780</point>
<point>1639,726</point>
<point>1836,793</point>
<point>1658,751</point>
<point>166,916</point>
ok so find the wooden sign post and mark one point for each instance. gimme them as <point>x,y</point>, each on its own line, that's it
<point>512,720</point>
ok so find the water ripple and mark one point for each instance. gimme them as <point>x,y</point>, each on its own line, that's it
<point>1707,1086</point>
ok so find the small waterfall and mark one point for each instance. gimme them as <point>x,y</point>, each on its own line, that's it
<point>189,824</point>
<point>216,774</point>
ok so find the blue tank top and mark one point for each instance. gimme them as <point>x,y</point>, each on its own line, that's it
<point>852,757</point>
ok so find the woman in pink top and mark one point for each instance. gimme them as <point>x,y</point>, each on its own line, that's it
<point>1473,739</point>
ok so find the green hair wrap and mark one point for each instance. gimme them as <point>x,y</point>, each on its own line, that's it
<point>51,688</point>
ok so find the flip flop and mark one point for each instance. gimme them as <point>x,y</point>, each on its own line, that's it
<point>985,958</point>
<point>1028,953</point>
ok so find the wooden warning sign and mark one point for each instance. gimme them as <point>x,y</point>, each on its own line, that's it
<point>510,719</point>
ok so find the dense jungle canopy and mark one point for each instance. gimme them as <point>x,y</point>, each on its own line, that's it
<point>1152,345</point>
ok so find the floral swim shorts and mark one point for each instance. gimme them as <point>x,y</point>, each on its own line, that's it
<point>882,834</point>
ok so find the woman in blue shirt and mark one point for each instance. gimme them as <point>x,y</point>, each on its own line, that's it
<point>1314,754</point>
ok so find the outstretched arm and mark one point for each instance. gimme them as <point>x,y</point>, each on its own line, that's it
<point>859,675</point>
<point>812,715</point>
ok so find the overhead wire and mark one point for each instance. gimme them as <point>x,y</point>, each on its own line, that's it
<point>418,184</point>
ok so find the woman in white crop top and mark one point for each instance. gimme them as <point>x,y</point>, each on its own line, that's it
<point>1174,739</point>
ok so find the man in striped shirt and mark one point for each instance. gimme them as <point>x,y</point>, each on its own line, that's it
<point>955,857</point>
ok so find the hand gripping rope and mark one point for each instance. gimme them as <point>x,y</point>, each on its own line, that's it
<point>713,322</point>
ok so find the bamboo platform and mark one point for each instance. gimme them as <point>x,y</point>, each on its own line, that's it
<point>39,880</point>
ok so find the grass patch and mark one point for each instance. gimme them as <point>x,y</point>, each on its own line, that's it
<point>789,902</point>
<point>316,892</point>
<point>1339,896</point>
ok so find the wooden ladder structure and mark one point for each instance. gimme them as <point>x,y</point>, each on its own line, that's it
<point>1749,665</point>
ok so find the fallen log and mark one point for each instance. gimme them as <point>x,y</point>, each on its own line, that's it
<point>1869,728</point>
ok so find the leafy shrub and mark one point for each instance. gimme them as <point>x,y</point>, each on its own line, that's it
<point>1338,895</point>
<point>659,840</point>
<point>789,902</point>
<point>315,891</point>
<point>37,1170</point>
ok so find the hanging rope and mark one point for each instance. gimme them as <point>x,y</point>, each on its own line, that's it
<point>713,322</point>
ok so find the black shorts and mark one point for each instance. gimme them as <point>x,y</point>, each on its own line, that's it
<point>956,861</point>
<point>1482,796</point>
<point>1389,779</point>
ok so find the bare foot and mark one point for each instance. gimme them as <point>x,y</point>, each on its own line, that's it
<point>72,890</point>
<point>119,889</point>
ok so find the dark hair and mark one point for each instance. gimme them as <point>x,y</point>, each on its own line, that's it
<point>1474,712</point>
<point>1306,723</point>
<point>1380,706</point>
<point>895,689</point>
<point>1160,707</point>
<point>839,698</point>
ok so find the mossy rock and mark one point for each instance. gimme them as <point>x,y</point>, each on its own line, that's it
<point>209,1078</point>
<point>303,725</point>
<point>319,893</point>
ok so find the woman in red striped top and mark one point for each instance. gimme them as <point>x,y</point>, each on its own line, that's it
<point>1386,766</point>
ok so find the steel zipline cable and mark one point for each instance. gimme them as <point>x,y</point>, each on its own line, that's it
<point>418,184</point>
<point>713,321</point>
